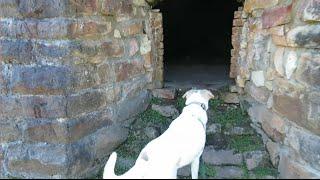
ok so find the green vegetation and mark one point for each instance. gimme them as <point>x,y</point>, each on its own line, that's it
<point>246,143</point>
<point>180,103</point>
<point>206,170</point>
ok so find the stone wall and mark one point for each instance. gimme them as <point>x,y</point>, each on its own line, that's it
<point>72,74</point>
<point>278,67</point>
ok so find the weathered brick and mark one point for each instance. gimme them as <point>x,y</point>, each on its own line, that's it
<point>122,8</point>
<point>113,48</point>
<point>9,8</point>
<point>41,8</point>
<point>261,94</point>
<point>88,7</point>
<point>304,36</point>
<point>9,132</point>
<point>132,29</point>
<point>133,47</point>
<point>290,107</point>
<point>52,28</point>
<point>312,11</point>
<point>56,50</point>
<point>276,16</point>
<point>251,5</point>
<point>88,28</point>
<point>127,70</point>
<point>91,100</point>
<point>33,106</point>
<point>106,73</point>
<point>42,130</point>
<point>308,71</point>
<point>41,160</point>
<point>290,169</point>
<point>40,80</point>
<point>133,88</point>
<point>16,51</point>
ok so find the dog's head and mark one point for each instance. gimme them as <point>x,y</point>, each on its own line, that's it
<point>199,96</point>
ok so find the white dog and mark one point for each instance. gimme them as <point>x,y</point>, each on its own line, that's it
<point>181,144</point>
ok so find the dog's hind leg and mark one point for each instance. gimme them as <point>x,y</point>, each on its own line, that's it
<point>195,168</point>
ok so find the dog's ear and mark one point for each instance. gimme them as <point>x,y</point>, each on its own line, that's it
<point>207,94</point>
<point>187,94</point>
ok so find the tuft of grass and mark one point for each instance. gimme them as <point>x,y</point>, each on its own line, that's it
<point>215,103</point>
<point>231,117</point>
<point>180,103</point>
<point>206,170</point>
<point>157,101</point>
<point>245,172</point>
<point>245,143</point>
<point>152,117</point>
<point>262,172</point>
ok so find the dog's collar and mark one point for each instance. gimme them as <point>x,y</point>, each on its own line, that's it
<point>202,105</point>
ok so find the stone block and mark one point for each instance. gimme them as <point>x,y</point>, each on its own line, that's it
<point>278,60</point>
<point>41,8</point>
<point>39,160</point>
<point>127,70</point>
<point>290,63</point>
<point>166,111</point>
<point>164,93</point>
<point>89,101</point>
<point>222,157</point>
<point>113,48</point>
<point>257,77</point>
<point>276,16</point>
<point>133,88</point>
<point>289,107</point>
<point>40,80</point>
<point>9,132</point>
<point>261,94</point>
<point>312,11</point>
<point>231,98</point>
<point>307,36</point>
<point>254,159</point>
<point>132,29</point>
<point>308,71</point>
<point>18,51</point>
<point>122,9</point>
<point>274,152</point>
<point>33,106</point>
<point>82,29</point>
<point>9,8</point>
<point>229,172</point>
<point>133,47</point>
<point>251,5</point>
<point>290,169</point>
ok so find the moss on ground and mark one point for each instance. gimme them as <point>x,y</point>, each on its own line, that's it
<point>246,143</point>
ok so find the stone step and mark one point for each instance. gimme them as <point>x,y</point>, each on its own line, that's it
<point>166,93</point>
<point>221,157</point>
<point>166,111</point>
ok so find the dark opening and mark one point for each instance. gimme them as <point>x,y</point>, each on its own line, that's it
<point>197,41</point>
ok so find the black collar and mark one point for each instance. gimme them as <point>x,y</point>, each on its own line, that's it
<point>203,106</point>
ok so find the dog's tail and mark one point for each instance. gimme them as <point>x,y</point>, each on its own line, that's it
<point>108,172</point>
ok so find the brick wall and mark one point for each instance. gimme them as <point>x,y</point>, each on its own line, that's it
<point>72,74</point>
<point>278,67</point>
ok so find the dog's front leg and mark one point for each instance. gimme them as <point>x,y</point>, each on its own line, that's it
<point>195,168</point>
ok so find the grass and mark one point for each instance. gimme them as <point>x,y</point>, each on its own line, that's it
<point>152,117</point>
<point>180,103</point>
<point>231,117</point>
<point>246,143</point>
<point>206,170</point>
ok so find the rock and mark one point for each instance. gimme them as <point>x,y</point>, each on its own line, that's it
<point>251,5</point>
<point>185,171</point>
<point>164,93</point>
<point>125,162</point>
<point>229,172</point>
<point>291,63</point>
<point>254,159</point>
<point>304,36</point>
<point>239,131</point>
<point>276,16</point>
<point>233,89</point>
<point>167,111</point>
<point>257,78</point>
<point>274,152</point>
<point>151,132</point>
<point>222,157</point>
<point>213,129</point>
<point>312,11</point>
<point>278,60</point>
<point>231,98</point>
